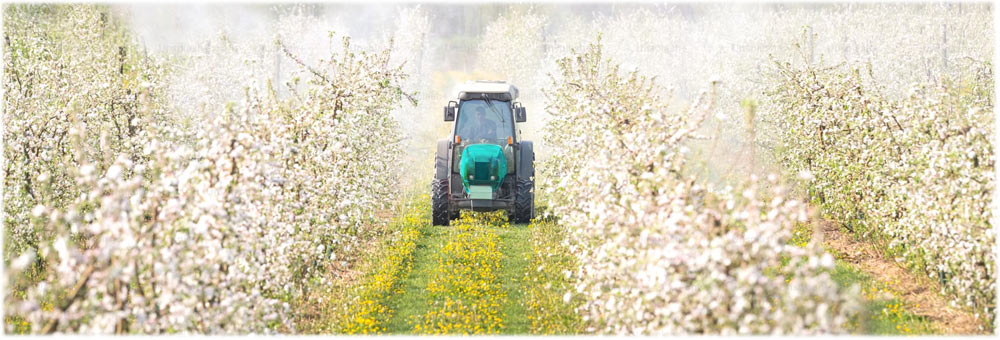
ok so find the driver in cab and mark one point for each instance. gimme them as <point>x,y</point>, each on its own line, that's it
<point>481,127</point>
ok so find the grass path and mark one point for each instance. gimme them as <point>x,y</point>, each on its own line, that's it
<point>896,300</point>
<point>412,300</point>
<point>516,243</point>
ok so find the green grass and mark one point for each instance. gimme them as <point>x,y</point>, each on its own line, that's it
<point>882,312</point>
<point>546,283</point>
<point>516,245</point>
<point>411,300</point>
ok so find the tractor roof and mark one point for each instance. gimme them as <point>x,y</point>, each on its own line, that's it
<point>486,86</point>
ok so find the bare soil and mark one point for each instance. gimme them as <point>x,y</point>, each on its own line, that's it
<point>921,295</point>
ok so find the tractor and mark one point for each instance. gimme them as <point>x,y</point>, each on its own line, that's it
<point>484,165</point>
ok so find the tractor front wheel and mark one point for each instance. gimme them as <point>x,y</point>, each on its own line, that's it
<point>439,201</point>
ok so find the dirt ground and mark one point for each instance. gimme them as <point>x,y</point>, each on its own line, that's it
<point>920,294</point>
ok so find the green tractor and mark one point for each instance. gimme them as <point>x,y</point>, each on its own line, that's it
<point>484,165</point>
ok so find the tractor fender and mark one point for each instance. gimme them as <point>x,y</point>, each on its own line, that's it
<point>441,159</point>
<point>526,160</point>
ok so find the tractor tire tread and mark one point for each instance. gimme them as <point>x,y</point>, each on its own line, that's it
<point>524,202</point>
<point>439,202</point>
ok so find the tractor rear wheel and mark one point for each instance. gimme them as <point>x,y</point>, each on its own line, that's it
<point>439,202</point>
<point>524,202</point>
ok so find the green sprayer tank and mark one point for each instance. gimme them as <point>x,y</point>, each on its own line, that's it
<point>483,167</point>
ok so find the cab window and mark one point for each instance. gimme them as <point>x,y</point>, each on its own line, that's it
<point>481,121</point>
